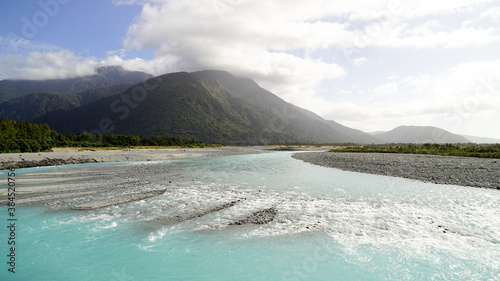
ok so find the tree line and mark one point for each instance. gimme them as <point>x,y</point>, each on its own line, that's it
<point>466,150</point>
<point>23,136</point>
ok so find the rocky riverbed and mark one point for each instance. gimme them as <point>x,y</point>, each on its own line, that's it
<point>464,171</point>
<point>93,188</point>
<point>79,156</point>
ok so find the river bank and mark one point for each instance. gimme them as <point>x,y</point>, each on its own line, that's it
<point>78,156</point>
<point>464,171</point>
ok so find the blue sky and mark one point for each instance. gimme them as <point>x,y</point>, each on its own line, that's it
<point>87,27</point>
<point>368,64</point>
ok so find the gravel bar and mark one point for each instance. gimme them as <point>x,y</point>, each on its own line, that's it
<point>259,217</point>
<point>463,171</point>
<point>200,213</point>
<point>118,200</point>
<point>76,156</point>
<point>51,197</point>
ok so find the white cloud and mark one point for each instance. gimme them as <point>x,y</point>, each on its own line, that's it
<point>13,44</point>
<point>132,2</point>
<point>294,48</point>
<point>393,77</point>
<point>418,82</point>
<point>236,40</point>
<point>170,26</point>
<point>237,35</point>
<point>359,61</point>
<point>264,40</point>
<point>493,13</point>
<point>465,88</point>
<point>450,101</point>
<point>40,66</point>
<point>385,90</point>
<point>429,35</point>
<point>422,8</point>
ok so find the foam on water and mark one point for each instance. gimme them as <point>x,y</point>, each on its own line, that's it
<point>330,225</point>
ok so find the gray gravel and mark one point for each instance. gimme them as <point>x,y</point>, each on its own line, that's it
<point>118,200</point>
<point>76,156</point>
<point>259,217</point>
<point>95,188</point>
<point>4,165</point>
<point>197,214</point>
<point>464,171</point>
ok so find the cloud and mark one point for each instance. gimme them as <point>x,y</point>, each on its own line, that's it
<point>385,90</point>
<point>299,49</point>
<point>49,65</point>
<point>267,40</point>
<point>493,13</point>
<point>422,8</point>
<point>359,61</point>
<point>228,35</point>
<point>13,44</point>
<point>428,37</point>
<point>451,101</point>
<point>198,25</point>
<point>132,2</point>
<point>271,41</point>
<point>274,41</point>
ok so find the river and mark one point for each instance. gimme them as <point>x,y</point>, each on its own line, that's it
<point>329,225</point>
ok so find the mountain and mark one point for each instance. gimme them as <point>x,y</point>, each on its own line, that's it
<point>355,136</point>
<point>418,134</point>
<point>376,133</point>
<point>213,106</point>
<point>34,105</point>
<point>350,135</point>
<point>265,99</point>
<point>105,77</point>
<point>91,95</point>
<point>481,140</point>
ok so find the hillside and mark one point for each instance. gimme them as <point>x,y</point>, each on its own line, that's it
<point>35,105</point>
<point>91,95</point>
<point>212,106</point>
<point>475,139</point>
<point>355,136</point>
<point>104,77</point>
<point>419,134</point>
<point>350,135</point>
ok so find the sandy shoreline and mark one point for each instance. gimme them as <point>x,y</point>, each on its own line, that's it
<point>464,171</point>
<point>76,156</point>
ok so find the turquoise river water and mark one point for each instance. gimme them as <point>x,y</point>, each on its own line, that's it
<point>330,225</point>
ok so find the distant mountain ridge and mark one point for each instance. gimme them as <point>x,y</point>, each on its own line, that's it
<point>213,106</point>
<point>475,139</point>
<point>210,105</point>
<point>420,134</point>
<point>34,105</point>
<point>31,106</point>
<point>105,77</point>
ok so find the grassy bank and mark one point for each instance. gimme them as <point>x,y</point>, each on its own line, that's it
<point>481,151</point>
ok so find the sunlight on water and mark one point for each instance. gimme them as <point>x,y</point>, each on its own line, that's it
<point>330,225</point>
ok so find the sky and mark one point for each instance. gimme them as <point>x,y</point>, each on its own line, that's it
<point>372,65</point>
